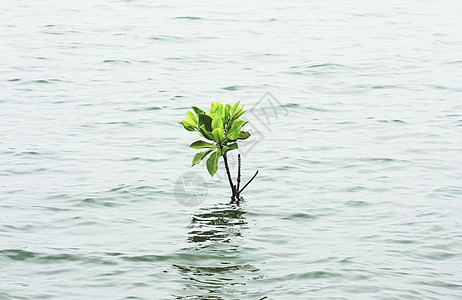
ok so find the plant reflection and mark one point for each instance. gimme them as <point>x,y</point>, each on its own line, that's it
<point>214,265</point>
<point>218,224</point>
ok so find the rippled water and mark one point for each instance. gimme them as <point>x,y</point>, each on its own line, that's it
<point>359,192</point>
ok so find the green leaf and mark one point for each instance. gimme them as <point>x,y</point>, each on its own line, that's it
<point>229,148</point>
<point>228,125</point>
<point>212,163</point>
<point>235,130</point>
<point>217,123</point>
<point>197,110</point>
<point>201,144</point>
<point>218,134</point>
<point>192,117</point>
<point>200,156</point>
<point>207,134</point>
<point>240,114</point>
<point>227,111</point>
<point>213,107</point>
<point>187,127</point>
<point>189,122</point>
<point>206,121</point>
<point>233,146</point>
<point>219,111</point>
<point>243,135</point>
<point>234,108</point>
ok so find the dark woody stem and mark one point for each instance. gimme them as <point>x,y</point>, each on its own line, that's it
<point>248,182</point>
<point>233,189</point>
<point>238,174</point>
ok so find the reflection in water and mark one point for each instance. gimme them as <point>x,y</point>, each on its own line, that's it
<point>219,224</point>
<point>214,265</point>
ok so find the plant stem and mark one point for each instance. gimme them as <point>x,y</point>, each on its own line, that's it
<point>238,174</point>
<point>248,182</point>
<point>229,176</point>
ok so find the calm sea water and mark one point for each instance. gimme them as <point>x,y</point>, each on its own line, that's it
<point>359,194</point>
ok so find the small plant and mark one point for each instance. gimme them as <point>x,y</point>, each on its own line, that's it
<point>223,128</point>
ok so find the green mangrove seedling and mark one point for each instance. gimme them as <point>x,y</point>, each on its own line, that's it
<point>222,128</point>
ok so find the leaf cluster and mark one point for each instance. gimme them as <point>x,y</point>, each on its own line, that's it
<point>221,127</point>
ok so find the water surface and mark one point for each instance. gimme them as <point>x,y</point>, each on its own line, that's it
<point>359,192</point>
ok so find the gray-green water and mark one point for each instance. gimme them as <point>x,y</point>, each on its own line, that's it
<point>359,192</point>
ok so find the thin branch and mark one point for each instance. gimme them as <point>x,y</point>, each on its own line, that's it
<point>248,182</point>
